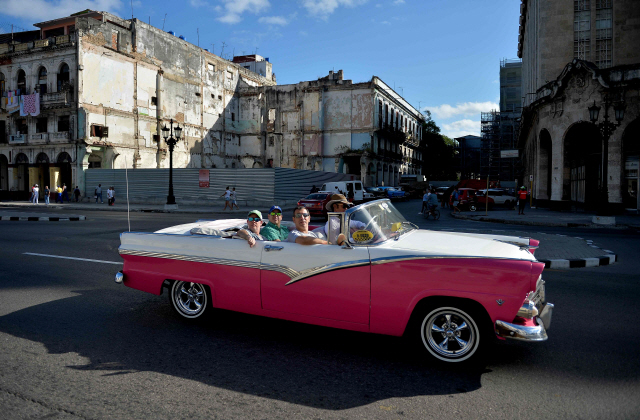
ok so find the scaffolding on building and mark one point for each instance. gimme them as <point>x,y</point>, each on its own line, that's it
<point>499,131</point>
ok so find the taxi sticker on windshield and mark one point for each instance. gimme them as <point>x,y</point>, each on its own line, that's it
<point>362,236</point>
<point>396,227</point>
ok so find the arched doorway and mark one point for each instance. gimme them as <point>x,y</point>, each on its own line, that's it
<point>631,162</point>
<point>4,173</point>
<point>22,164</point>
<point>63,77</point>
<point>582,165</point>
<point>64,164</point>
<point>372,175</point>
<point>42,80</point>
<point>545,166</point>
<point>42,163</point>
<point>379,175</point>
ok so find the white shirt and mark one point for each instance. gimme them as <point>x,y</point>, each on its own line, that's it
<point>227,194</point>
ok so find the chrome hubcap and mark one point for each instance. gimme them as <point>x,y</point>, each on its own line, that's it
<point>447,334</point>
<point>190,298</point>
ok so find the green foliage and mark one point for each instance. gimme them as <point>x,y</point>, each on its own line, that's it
<point>439,152</point>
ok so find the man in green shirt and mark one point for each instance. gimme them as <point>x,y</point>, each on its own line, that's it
<point>273,231</point>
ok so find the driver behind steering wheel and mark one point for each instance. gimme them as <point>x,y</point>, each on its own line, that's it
<point>339,204</point>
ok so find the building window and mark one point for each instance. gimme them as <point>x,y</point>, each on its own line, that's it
<point>604,28</point>
<point>386,115</point>
<point>212,68</point>
<point>22,82</point>
<point>21,126</point>
<point>41,125</point>
<point>154,101</point>
<point>380,114</point>
<point>42,80</point>
<point>63,123</point>
<point>63,77</point>
<point>2,83</point>
<point>581,29</point>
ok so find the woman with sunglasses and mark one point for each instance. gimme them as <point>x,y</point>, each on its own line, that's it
<point>274,231</point>
<point>252,233</point>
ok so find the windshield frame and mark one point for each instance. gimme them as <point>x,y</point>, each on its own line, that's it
<point>350,212</point>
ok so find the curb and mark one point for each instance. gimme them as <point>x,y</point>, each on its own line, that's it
<point>42,219</point>
<point>607,259</point>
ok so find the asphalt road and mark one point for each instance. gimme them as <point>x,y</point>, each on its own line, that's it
<point>73,344</point>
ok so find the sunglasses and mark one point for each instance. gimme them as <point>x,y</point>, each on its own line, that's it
<point>301,215</point>
<point>254,219</point>
<point>273,213</point>
<point>340,205</point>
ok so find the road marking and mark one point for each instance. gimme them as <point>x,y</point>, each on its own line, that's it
<point>72,258</point>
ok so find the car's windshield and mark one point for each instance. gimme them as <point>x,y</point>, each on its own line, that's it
<point>380,218</point>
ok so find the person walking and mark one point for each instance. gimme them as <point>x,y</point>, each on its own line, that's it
<point>98,194</point>
<point>455,201</point>
<point>76,193</point>
<point>522,199</point>
<point>113,195</point>
<point>46,194</point>
<point>425,198</point>
<point>59,194</point>
<point>234,201</point>
<point>65,193</point>
<point>227,199</point>
<point>109,196</point>
<point>31,196</point>
<point>36,191</point>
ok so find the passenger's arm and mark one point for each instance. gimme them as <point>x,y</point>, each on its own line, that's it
<point>245,235</point>
<point>309,240</point>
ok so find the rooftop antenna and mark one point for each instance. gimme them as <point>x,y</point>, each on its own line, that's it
<point>256,51</point>
<point>234,51</point>
<point>213,51</point>
<point>163,20</point>
<point>198,32</point>
<point>131,9</point>
<point>400,87</point>
<point>222,52</point>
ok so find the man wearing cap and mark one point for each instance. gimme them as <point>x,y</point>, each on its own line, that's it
<point>339,204</point>
<point>273,231</point>
<point>252,232</point>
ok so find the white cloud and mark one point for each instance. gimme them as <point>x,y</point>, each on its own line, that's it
<point>465,109</point>
<point>233,9</point>
<point>398,2</point>
<point>461,128</point>
<point>43,10</point>
<point>323,8</point>
<point>198,3</point>
<point>273,20</point>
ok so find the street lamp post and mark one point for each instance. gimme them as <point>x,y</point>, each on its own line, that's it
<point>171,142</point>
<point>606,128</point>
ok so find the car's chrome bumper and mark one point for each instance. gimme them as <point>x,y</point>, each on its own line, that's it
<point>534,330</point>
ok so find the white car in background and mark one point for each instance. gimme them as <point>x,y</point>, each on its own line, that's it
<point>496,197</point>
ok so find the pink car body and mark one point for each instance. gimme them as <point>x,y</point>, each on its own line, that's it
<point>375,287</point>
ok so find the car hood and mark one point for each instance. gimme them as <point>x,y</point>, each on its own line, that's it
<point>464,245</point>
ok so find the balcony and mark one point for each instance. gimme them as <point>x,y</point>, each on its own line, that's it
<point>41,43</point>
<point>61,135</point>
<point>55,99</point>
<point>38,138</point>
<point>17,138</point>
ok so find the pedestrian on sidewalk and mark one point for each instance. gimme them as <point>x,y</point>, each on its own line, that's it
<point>98,194</point>
<point>234,201</point>
<point>46,194</point>
<point>31,196</point>
<point>109,196</point>
<point>59,194</point>
<point>522,199</point>
<point>113,195</point>
<point>76,193</point>
<point>36,190</point>
<point>227,199</point>
<point>425,198</point>
<point>65,193</point>
<point>455,201</point>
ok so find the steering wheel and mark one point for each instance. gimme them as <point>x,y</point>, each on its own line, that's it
<point>373,219</point>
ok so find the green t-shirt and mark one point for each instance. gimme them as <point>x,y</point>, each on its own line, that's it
<point>272,232</point>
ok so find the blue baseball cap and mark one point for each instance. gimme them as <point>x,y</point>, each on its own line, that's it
<point>275,208</point>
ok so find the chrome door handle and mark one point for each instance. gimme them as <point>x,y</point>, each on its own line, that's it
<point>272,248</point>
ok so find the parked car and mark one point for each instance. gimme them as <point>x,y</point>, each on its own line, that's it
<point>394,193</point>
<point>350,189</point>
<point>375,191</point>
<point>315,203</point>
<point>467,199</point>
<point>440,192</point>
<point>452,293</point>
<point>496,196</point>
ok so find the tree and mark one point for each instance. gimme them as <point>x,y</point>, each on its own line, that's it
<point>439,152</point>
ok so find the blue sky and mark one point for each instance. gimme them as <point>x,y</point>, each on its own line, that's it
<point>441,55</point>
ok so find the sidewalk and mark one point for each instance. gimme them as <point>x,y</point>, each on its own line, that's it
<point>545,217</point>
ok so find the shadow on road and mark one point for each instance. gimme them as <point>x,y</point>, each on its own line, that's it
<point>302,364</point>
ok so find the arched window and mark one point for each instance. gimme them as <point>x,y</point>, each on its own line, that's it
<point>22,82</point>
<point>63,76</point>
<point>42,80</point>
<point>42,158</point>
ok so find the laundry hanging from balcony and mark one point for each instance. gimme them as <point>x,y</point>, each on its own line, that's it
<point>30,105</point>
<point>13,101</point>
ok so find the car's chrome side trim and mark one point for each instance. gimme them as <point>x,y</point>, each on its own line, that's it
<point>325,269</point>
<point>208,260</point>
<point>385,260</point>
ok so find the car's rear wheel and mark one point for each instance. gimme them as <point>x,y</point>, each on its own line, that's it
<point>450,334</point>
<point>190,300</point>
<point>472,207</point>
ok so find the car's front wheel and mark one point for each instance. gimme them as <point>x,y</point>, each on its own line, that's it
<point>450,334</point>
<point>190,300</point>
<point>472,207</point>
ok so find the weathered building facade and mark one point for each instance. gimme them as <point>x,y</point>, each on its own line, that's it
<point>107,86</point>
<point>577,54</point>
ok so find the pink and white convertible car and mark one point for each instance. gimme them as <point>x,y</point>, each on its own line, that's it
<point>453,292</point>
